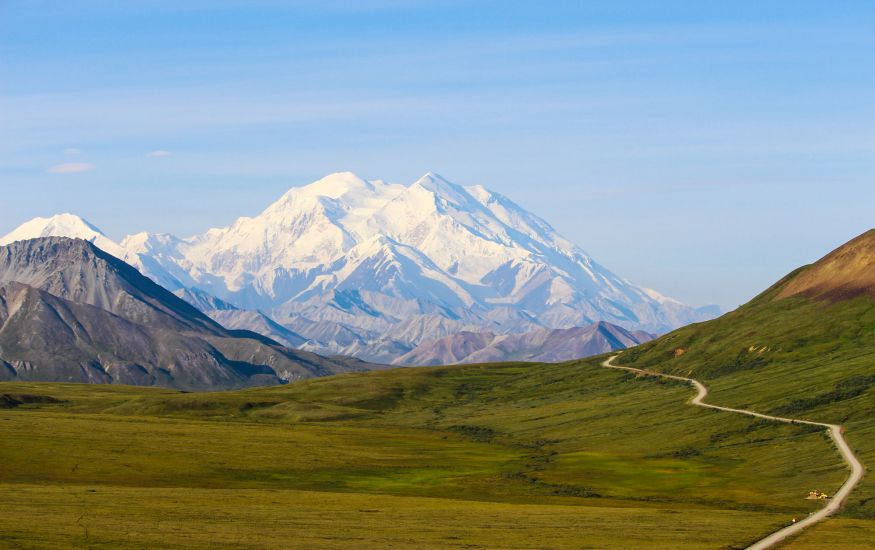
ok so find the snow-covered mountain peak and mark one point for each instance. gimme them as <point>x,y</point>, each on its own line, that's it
<point>43,227</point>
<point>436,183</point>
<point>446,192</point>
<point>63,225</point>
<point>345,187</point>
<point>344,257</point>
<point>337,185</point>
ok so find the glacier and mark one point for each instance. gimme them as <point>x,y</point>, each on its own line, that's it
<point>370,268</point>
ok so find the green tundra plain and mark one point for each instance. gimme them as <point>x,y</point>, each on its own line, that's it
<point>508,455</point>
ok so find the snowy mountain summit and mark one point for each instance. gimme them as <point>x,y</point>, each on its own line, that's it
<point>63,225</point>
<point>374,268</point>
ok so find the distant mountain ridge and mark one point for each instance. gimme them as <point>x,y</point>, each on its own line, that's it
<point>232,317</point>
<point>542,346</point>
<point>373,268</point>
<point>70,312</point>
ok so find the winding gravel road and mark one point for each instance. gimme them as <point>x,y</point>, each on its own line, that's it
<point>834,430</point>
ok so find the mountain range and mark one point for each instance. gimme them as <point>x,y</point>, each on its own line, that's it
<point>70,312</point>
<point>374,269</point>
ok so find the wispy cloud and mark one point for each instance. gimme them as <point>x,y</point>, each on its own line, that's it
<point>71,168</point>
<point>72,151</point>
<point>158,153</point>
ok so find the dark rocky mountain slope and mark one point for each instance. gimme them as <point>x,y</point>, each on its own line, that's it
<point>73,313</point>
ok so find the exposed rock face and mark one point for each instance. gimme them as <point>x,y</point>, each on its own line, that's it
<point>72,312</point>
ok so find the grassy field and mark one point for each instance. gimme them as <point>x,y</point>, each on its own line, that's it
<point>793,357</point>
<point>121,517</point>
<point>512,455</point>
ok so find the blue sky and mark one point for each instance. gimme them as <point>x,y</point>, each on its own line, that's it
<point>700,148</point>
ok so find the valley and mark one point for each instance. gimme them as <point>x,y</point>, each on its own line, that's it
<point>495,441</point>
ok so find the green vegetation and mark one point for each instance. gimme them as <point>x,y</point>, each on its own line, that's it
<point>811,359</point>
<point>847,534</point>
<point>510,455</point>
<point>49,517</point>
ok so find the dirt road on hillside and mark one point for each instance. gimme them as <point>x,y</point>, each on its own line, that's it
<point>834,430</point>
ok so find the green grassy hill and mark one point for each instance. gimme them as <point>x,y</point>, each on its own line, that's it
<point>804,348</point>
